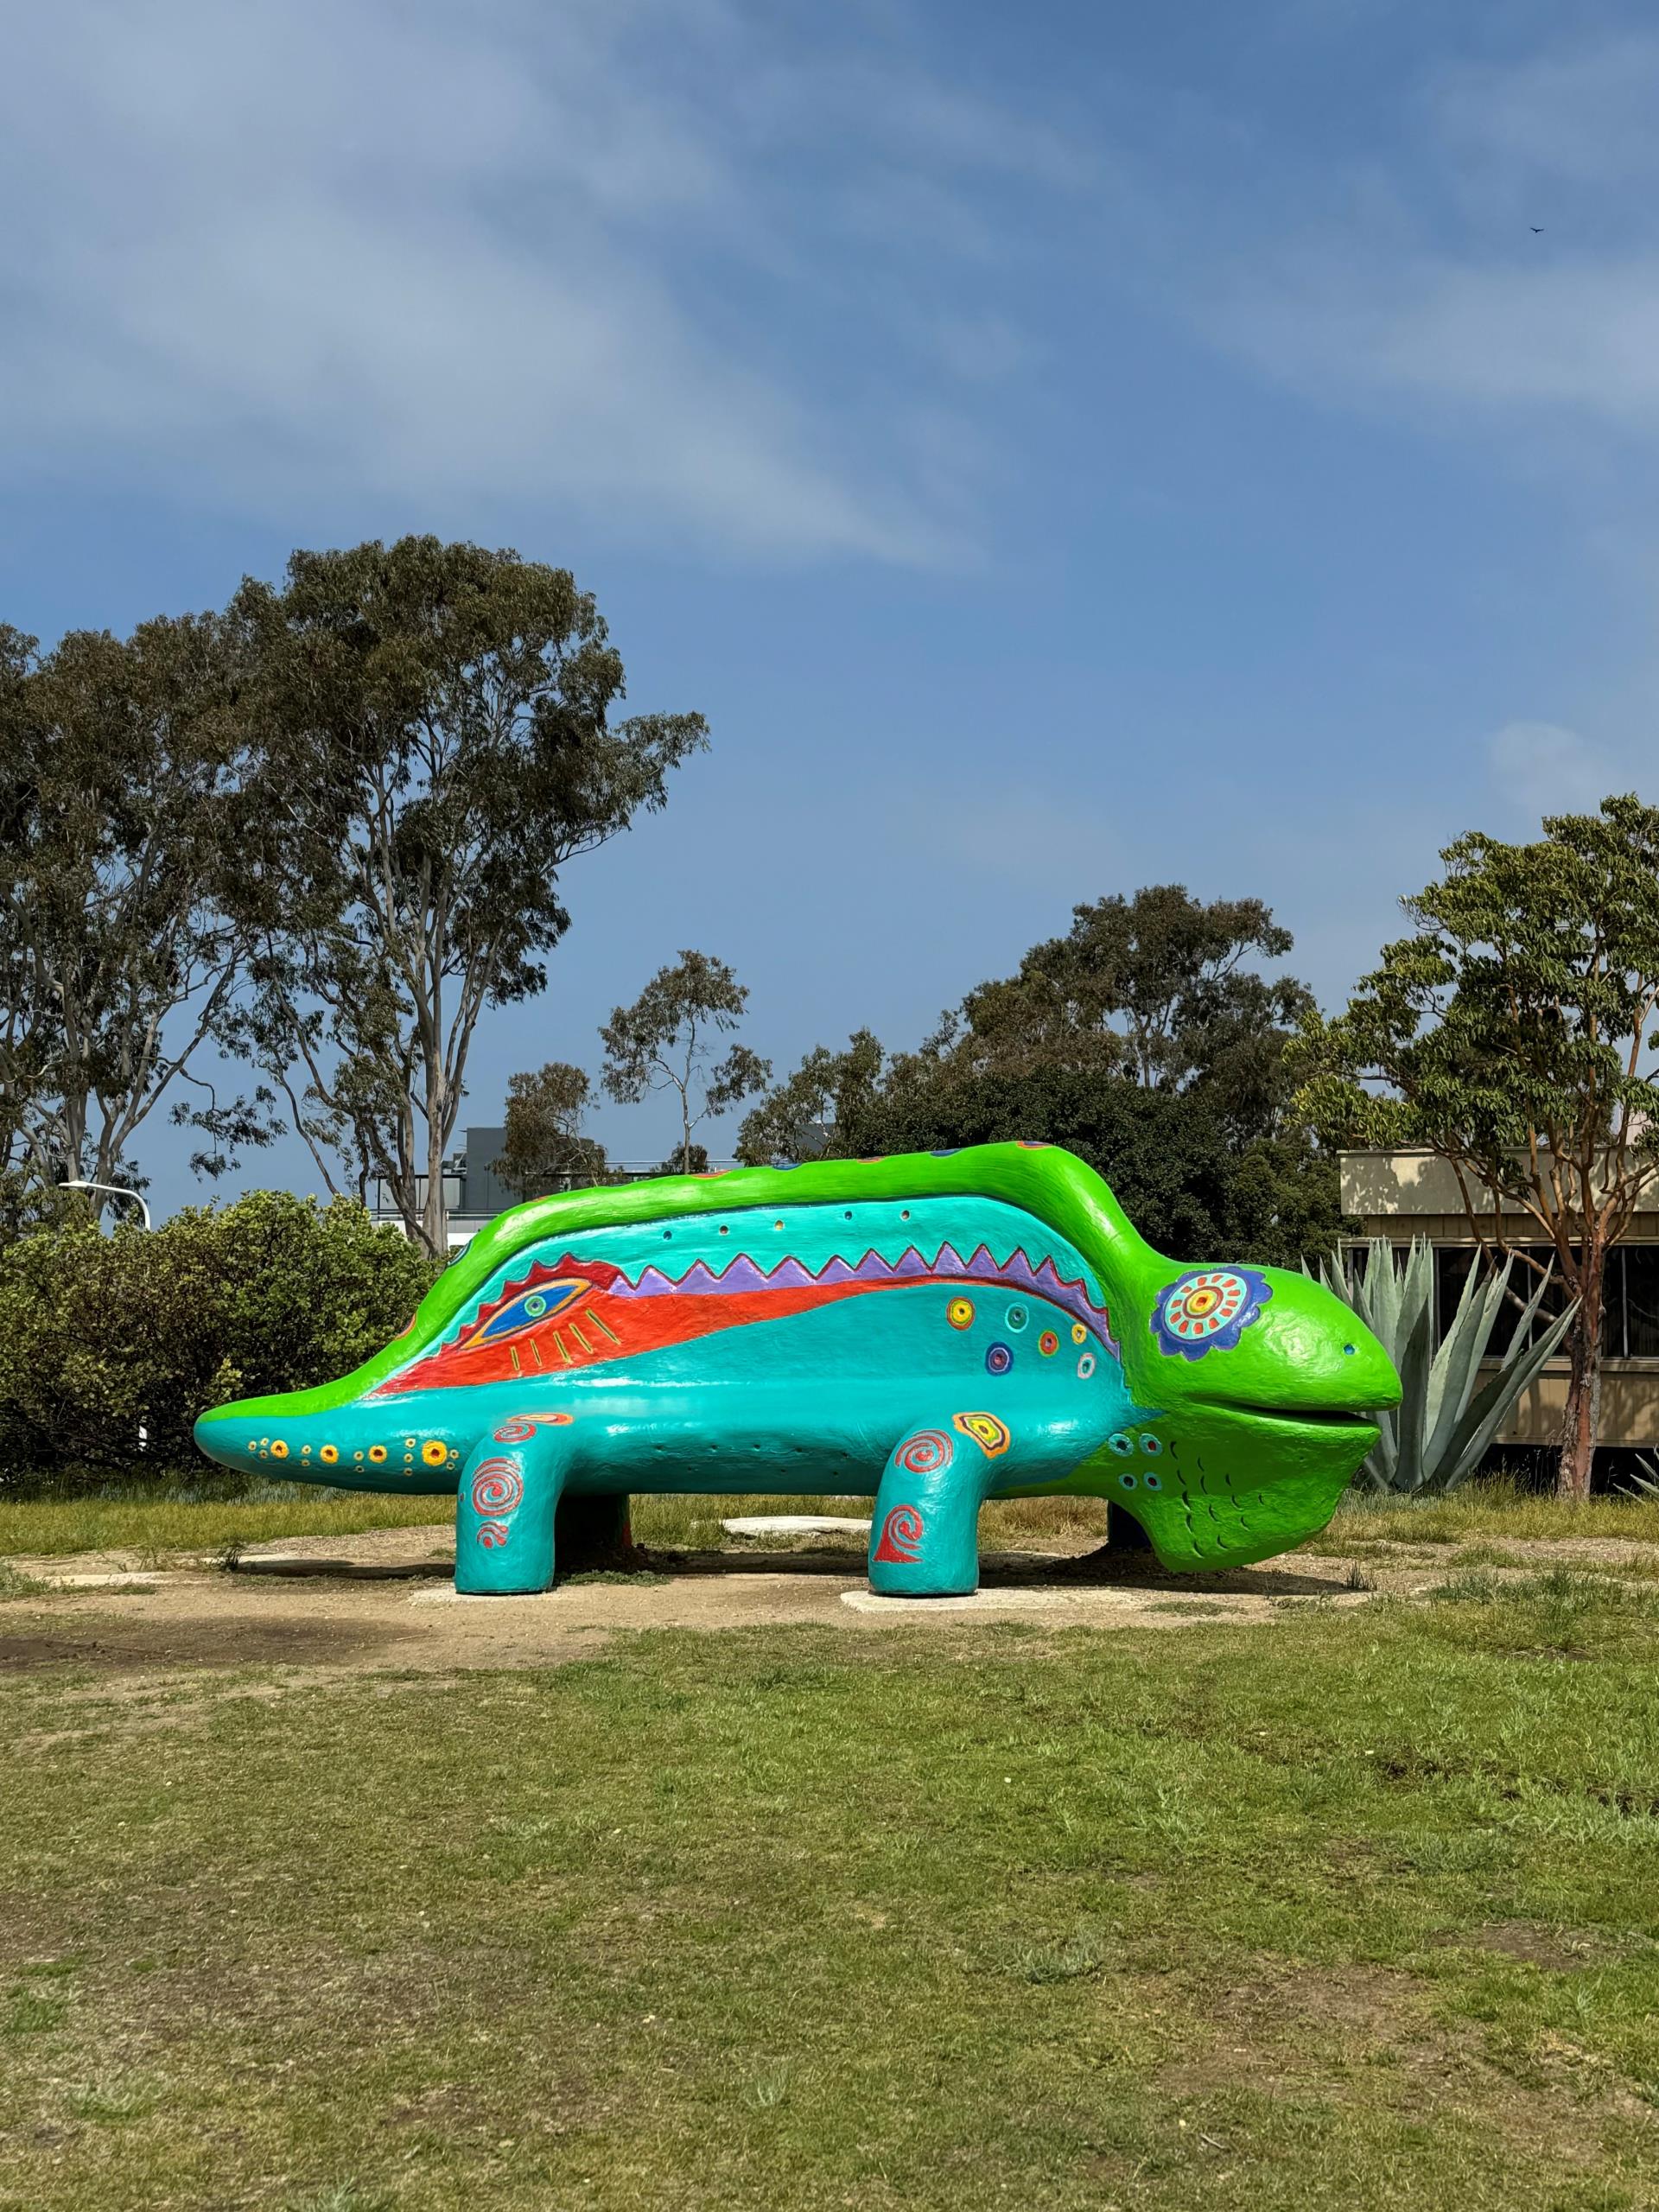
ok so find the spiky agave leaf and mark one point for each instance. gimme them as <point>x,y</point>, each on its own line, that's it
<point>1483,1417</point>
<point>1446,1417</point>
<point>1342,1278</point>
<point>1463,1347</point>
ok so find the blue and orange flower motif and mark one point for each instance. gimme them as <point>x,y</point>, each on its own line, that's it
<point>1208,1310</point>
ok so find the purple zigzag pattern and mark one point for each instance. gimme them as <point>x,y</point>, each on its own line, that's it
<point>1016,1272</point>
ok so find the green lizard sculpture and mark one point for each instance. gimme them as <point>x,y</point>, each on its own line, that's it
<point>929,1330</point>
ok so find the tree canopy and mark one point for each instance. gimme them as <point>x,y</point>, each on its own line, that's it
<point>1141,1041</point>
<point>667,1040</point>
<point>127,788</point>
<point>1511,1035</point>
<point>439,718</point>
<point>544,1148</point>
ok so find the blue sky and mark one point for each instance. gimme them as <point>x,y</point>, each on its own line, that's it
<point>1059,448</point>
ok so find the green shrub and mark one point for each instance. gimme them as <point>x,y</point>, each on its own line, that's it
<point>103,1335</point>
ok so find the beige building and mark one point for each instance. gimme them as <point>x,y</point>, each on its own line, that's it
<point>1400,1195</point>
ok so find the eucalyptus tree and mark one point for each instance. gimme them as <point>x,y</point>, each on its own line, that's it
<point>1511,1035</point>
<point>544,1147</point>
<point>437,719</point>
<point>668,1038</point>
<point>126,920</point>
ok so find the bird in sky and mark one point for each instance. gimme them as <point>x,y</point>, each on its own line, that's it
<point>1537,229</point>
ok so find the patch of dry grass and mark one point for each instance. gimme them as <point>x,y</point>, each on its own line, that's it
<point>679,1523</point>
<point>156,1529</point>
<point>1491,1509</point>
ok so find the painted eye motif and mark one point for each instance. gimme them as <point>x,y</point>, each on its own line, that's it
<point>1152,1445</point>
<point>1016,1317</point>
<point>1152,1481</point>
<point>998,1360</point>
<point>377,1452</point>
<point>1079,1334</point>
<point>1126,1480</point>
<point>1048,1343</point>
<point>526,1310</point>
<point>328,1454</point>
<point>1085,1366</point>
<point>960,1312</point>
<point>1122,1444</point>
<point>433,1453</point>
<point>1208,1310</point>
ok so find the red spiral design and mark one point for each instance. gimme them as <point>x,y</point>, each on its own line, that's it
<point>518,1429</point>
<point>498,1486</point>
<point>926,1452</point>
<point>491,1535</point>
<point>902,1536</point>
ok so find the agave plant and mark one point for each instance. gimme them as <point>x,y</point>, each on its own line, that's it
<point>1448,1412</point>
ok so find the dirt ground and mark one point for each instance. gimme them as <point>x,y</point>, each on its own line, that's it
<point>383,1601</point>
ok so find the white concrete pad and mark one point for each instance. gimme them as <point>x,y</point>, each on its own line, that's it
<point>103,1581</point>
<point>794,1525</point>
<point>996,1601</point>
<point>450,1596</point>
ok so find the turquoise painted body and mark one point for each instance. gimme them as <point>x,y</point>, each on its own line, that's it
<point>874,1335</point>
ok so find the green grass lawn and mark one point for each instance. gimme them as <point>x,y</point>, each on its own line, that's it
<point>1360,1909</point>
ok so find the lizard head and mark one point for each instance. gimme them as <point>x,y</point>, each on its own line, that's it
<point>1259,1387</point>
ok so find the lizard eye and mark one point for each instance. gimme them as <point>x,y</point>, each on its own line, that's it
<point>527,1310</point>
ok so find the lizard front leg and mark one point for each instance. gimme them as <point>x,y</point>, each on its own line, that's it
<point>924,1528</point>
<point>506,1506</point>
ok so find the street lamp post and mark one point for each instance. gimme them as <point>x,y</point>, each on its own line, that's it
<point>114,1190</point>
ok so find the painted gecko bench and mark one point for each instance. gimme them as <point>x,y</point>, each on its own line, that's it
<point>929,1330</point>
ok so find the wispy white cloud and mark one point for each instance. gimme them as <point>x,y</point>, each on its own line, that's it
<point>489,256</point>
<point>1428,284</point>
<point>1541,768</point>
<point>1580,113</point>
<point>1578,336</point>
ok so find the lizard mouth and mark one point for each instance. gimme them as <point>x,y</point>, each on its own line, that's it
<point>1304,1416</point>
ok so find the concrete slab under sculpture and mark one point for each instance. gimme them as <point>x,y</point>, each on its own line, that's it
<point>794,1525</point>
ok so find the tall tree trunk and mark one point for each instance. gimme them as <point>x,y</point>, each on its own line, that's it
<point>1581,1422</point>
<point>434,1220</point>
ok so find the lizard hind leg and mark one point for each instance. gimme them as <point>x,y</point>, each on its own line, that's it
<point>506,1508</point>
<point>924,1528</point>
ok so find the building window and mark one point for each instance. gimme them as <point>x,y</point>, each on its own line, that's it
<point>1641,1300</point>
<point>1630,1311</point>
